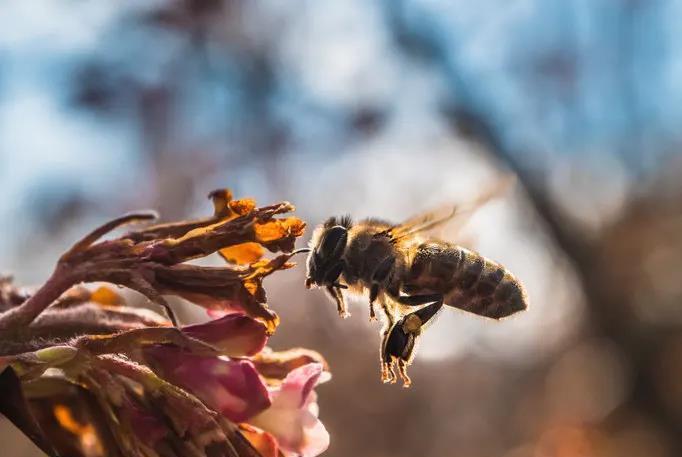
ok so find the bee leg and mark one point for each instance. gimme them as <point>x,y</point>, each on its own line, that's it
<point>399,343</point>
<point>378,277</point>
<point>373,293</point>
<point>337,295</point>
<point>389,321</point>
<point>394,378</point>
<point>384,372</point>
<point>402,370</point>
<point>388,375</point>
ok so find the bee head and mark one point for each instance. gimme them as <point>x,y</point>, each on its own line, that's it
<point>325,263</point>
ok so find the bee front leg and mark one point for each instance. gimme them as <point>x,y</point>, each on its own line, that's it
<point>337,295</point>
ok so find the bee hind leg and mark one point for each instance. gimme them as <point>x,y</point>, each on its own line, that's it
<point>388,374</point>
<point>386,360</point>
<point>399,343</point>
<point>402,370</point>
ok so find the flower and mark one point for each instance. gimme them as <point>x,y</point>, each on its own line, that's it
<point>293,416</point>
<point>230,387</point>
<point>85,374</point>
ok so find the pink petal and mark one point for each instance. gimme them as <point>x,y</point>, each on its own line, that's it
<point>276,365</point>
<point>298,384</point>
<point>216,313</point>
<point>292,418</point>
<point>230,387</point>
<point>235,335</point>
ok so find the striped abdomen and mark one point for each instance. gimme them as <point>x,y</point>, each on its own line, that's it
<point>466,279</point>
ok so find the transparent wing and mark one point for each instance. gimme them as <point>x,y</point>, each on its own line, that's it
<point>460,213</point>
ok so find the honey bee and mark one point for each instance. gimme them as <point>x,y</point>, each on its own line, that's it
<point>410,275</point>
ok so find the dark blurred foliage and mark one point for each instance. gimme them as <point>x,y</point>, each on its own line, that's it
<point>385,108</point>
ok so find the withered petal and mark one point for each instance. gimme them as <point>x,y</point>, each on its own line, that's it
<point>278,364</point>
<point>234,335</point>
<point>243,206</point>
<point>242,254</point>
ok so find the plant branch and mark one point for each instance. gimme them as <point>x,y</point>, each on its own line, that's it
<point>59,282</point>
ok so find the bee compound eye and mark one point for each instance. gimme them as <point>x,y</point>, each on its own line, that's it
<point>334,242</point>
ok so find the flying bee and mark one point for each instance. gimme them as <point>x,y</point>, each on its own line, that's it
<point>410,275</point>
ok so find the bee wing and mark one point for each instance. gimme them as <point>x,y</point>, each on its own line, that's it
<point>438,216</point>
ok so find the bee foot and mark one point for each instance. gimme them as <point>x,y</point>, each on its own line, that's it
<point>344,314</point>
<point>386,376</point>
<point>402,371</point>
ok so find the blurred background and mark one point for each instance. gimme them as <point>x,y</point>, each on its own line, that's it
<point>388,108</point>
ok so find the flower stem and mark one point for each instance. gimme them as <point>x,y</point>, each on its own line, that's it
<point>59,282</point>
